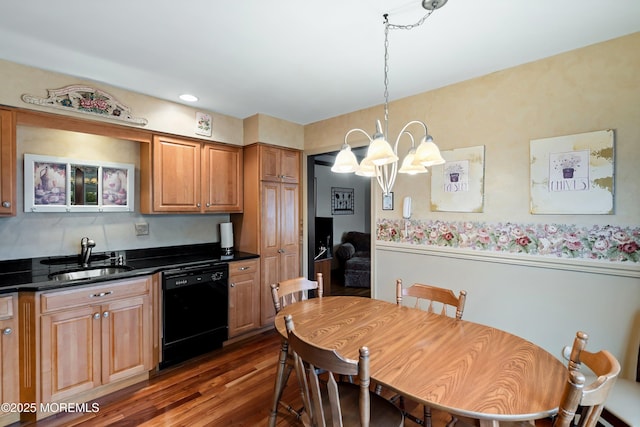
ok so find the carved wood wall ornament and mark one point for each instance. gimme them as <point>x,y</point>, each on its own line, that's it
<point>87,100</point>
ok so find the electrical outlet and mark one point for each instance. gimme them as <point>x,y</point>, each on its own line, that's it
<point>142,229</point>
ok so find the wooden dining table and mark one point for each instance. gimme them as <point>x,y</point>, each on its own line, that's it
<point>460,367</point>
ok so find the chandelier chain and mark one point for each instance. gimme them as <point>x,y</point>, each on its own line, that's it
<point>386,75</point>
<point>387,27</point>
<point>410,26</point>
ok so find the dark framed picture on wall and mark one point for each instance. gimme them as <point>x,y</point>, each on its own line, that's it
<point>387,201</point>
<point>341,201</point>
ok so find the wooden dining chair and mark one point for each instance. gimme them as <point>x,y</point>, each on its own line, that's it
<point>284,293</point>
<point>294,290</point>
<point>330,402</point>
<point>586,399</point>
<point>622,408</point>
<point>433,297</point>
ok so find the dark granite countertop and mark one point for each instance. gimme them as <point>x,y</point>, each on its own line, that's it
<point>32,274</point>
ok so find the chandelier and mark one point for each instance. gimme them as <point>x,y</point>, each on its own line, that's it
<point>381,161</point>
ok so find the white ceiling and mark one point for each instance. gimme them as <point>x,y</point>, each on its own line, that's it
<point>297,60</point>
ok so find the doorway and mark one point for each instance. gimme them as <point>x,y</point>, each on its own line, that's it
<point>326,226</point>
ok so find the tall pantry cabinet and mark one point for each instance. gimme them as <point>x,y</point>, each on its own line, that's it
<point>270,224</point>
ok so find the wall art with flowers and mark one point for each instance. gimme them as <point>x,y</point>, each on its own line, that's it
<point>86,100</point>
<point>597,242</point>
<point>458,185</point>
<point>573,174</point>
<point>203,124</point>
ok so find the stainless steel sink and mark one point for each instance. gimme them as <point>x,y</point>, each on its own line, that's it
<point>89,273</point>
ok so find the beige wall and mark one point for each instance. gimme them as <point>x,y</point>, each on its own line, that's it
<point>594,88</point>
<point>271,130</point>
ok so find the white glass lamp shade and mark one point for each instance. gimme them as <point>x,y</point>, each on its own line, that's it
<point>380,151</point>
<point>366,168</point>
<point>408,165</point>
<point>428,154</point>
<point>346,161</point>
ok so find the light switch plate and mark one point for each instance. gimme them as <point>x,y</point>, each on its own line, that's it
<point>142,229</point>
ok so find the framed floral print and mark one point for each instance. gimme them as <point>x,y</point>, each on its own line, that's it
<point>573,174</point>
<point>458,185</point>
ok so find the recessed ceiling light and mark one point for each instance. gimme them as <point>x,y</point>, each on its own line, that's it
<point>189,98</point>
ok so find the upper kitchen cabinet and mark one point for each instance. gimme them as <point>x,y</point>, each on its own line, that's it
<point>279,164</point>
<point>188,176</point>
<point>7,163</point>
<point>222,183</point>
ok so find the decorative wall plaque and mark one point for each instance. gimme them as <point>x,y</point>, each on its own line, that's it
<point>87,100</point>
<point>573,174</point>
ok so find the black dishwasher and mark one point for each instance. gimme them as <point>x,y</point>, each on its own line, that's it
<point>195,305</point>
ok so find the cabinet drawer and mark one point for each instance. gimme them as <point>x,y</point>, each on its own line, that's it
<point>56,300</point>
<point>6,307</point>
<point>238,268</point>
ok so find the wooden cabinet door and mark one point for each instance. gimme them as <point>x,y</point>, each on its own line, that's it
<point>290,166</point>
<point>244,297</point>
<point>7,163</point>
<point>279,164</point>
<point>270,273</point>
<point>70,353</point>
<point>9,384</point>
<point>270,250</point>
<point>269,163</point>
<point>280,251</point>
<point>126,338</point>
<point>289,232</point>
<point>222,179</point>
<point>176,175</point>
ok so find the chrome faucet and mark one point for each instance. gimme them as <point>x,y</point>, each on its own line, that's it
<point>85,255</point>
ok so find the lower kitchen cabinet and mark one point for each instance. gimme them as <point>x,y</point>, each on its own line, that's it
<point>9,356</point>
<point>244,297</point>
<point>92,340</point>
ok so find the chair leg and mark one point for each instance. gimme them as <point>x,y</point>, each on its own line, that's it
<point>280,382</point>
<point>427,416</point>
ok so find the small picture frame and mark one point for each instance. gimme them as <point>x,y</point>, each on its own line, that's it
<point>342,201</point>
<point>387,201</point>
<point>203,124</point>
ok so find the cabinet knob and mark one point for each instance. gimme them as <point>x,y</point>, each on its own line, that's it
<point>105,314</point>
<point>208,204</point>
<point>6,204</point>
<point>198,205</point>
<point>233,285</point>
<point>96,315</point>
<point>7,331</point>
<point>244,268</point>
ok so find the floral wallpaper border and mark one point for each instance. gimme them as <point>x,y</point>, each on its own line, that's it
<point>598,242</point>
